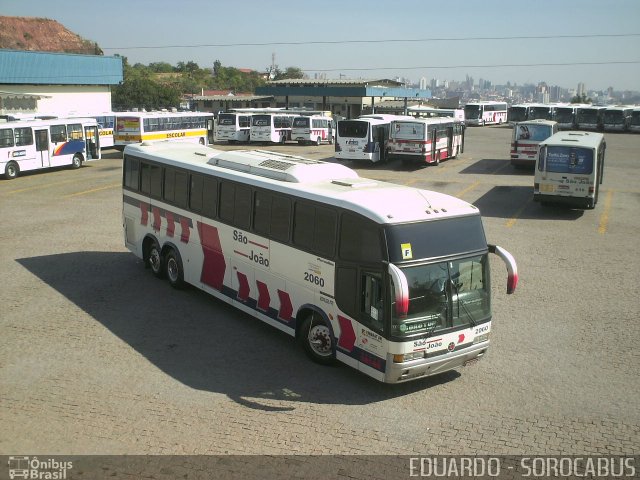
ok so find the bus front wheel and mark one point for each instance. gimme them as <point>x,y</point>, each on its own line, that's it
<point>11,171</point>
<point>317,340</point>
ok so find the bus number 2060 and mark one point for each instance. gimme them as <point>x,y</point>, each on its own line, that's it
<point>315,279</point>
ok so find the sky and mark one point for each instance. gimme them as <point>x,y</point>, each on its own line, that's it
<point>596,42</point>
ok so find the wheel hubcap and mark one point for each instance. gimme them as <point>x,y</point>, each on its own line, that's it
<point>320,340</point>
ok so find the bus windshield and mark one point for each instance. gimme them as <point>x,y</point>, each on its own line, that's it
<point>227,119</point>
<point>472,111</point>
<point>559,159</point>
<point>353,128</point>
<point>445,295</point>
<point>613,117</point>
<point>564,115</point>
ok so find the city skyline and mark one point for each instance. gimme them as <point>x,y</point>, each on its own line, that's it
<point>559,43</point>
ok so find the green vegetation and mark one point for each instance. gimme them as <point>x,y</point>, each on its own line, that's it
<point>161,85</point>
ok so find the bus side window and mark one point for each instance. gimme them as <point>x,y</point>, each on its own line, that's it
<point>58,133</point>
<point>6,137</point>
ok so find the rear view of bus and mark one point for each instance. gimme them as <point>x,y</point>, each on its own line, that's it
<point>570,169</point>
<point>526,138</point>
<point>363,138</point>
<point>233,127</point>
<point>312,129</point>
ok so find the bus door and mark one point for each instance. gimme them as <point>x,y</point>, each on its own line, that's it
<point>450,142</point>
<point>42,147</point>
<point>433,135</point>
<point>92,142</point>
<point>210,130</point>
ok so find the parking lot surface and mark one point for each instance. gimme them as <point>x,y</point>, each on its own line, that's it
<point>99,357</point>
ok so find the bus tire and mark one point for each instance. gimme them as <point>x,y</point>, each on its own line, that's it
<point>76,162</point>
<point>154,260</point>
<point>11,170</point>
<point>317,340</point>
<point>173,265</point>
<point>318,141</point>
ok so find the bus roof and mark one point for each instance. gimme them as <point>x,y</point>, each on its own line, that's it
<point>38,122</point>
<point>584,139</point>
<point>538,121</point>
<point>329,183</point>
<point>428,121</point>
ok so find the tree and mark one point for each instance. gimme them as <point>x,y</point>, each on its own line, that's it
<point>581,99</point>
<point>139,90</point>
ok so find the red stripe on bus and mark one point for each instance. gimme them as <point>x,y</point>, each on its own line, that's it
<point>264,299</point>
<point>171,227</point>
<point>347,335</point>
<point>213,264</point>
<point>243,288</point>
<point>185,230</point>
<point>157,219</point>
<point>286,309</point>
<point>144,213</point>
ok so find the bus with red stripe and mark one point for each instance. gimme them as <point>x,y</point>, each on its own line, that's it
<point>525,140</point>
<point>314,129</point>
<point>391,280</point>
<point>425,140</point>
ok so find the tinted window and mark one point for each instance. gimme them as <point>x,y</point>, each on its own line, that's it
<point>6,137</point>
<point>58,133</point>
<point>568,160</point>
<point>203,197</point>
<point>271,216</point>
<point>131,168</point>
<point>235,204</point>
<point>315,228</point>
<point>353,128</point>
<point>24,136</point>
<point>359,240</point>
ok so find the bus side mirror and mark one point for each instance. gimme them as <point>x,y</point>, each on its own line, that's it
<point>401,290</point>
<point>512,268</point>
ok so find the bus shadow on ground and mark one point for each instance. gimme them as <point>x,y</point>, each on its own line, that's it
<point>497,166</point>
<point>203,342</point>
<point>507,201</point>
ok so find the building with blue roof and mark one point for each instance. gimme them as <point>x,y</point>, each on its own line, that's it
<point>57,83</point>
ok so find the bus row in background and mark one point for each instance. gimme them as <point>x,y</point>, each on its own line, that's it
<point>612,118</point>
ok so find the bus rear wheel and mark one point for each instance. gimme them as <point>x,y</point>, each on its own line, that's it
<point>11,171</point>
<point>154,260</point>
<point>175,273</point>
<point>317,340</point>
<point>77,161</point>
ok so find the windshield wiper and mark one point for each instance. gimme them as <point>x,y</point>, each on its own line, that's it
<point>472,321</point>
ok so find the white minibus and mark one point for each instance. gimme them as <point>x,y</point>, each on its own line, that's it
<point>233,127</point>
<point>313,129</point>
<point>525,140</point>
<point>570,169</point>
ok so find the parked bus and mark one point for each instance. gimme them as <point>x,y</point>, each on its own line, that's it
<point>570,169</point>
<point>233,127</point>
<point>39,144</point>
<point>617,119</point>
<point>364,138</point>
<point>485,113</point>
<point>106,125</point>
<point>590,117</point>
<point>425,140</point>
<point>542,111</point>
<point>526,138</point>
<point>421,111</point>
<point>271,127</point>
<point>518,113</point>
<point>391,280</point>
<point>136,127</point>
<point>566,116</point>
<point>313,129</point>
<point>634,123</point>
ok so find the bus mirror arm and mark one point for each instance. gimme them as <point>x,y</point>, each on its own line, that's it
<point>401,288</point>
<point>512,268</point>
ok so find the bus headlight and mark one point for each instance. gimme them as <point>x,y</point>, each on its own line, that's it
<point>481,338</point>
<point>407,357</point>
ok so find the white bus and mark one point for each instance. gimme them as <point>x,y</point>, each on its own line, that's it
<point>566,116</point>
<point>634,123</point>
<point>271,127</point>
<point>518,113</point>
<point>233,127</point>
<point>617,119</point>
<point>570,169</point>
<point>364,138</point>
<point>391,280</point>
<point>542,111</point>
<point>106,125</point>
<point>313,129</point>
<point>590,117</point>
<point>525,140</point>
<point>38,144</point>
<point>136,127</point>
<point>420,111</point>
<point>485,113</point>
<point>425,140</point>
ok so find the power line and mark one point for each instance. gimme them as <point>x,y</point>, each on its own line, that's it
<point>391,40</point>
<point>434,67</point>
